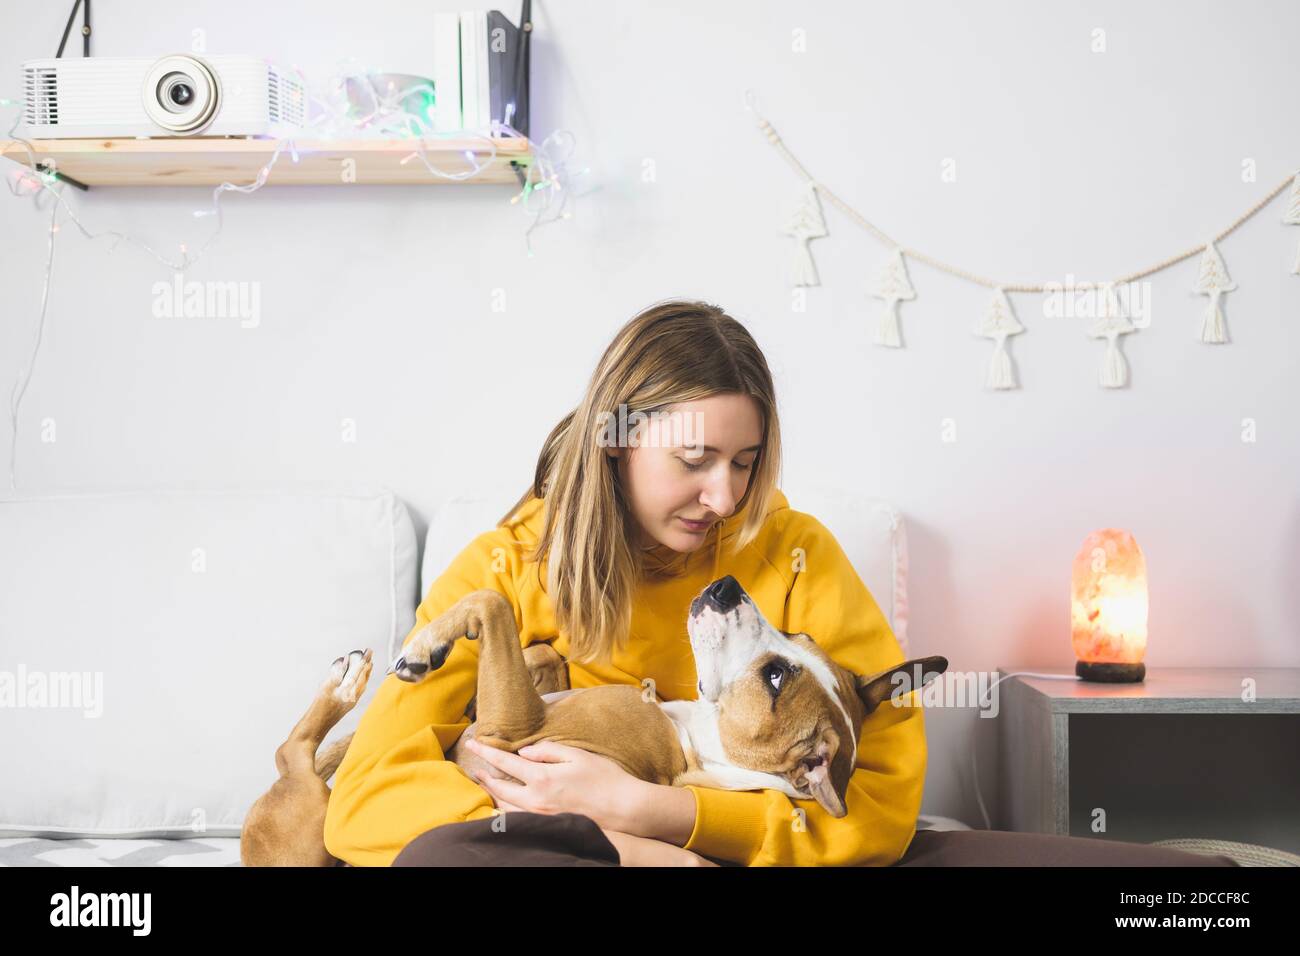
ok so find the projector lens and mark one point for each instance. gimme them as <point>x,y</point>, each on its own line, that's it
<point>176,92</point>
<point>181,94</point>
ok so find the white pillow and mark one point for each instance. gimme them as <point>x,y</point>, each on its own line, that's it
<point>870,531</point>
<point>209,619</point>
<point>457,521</point>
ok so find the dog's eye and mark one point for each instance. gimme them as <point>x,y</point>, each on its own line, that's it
<point>774,674</point>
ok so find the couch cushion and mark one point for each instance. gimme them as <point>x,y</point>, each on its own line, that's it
<point>180,635</point>
<point>199,851</point>
<point>870,530</point>
<point>872,534</point>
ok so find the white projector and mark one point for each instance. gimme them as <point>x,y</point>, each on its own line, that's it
<point>179,95</point>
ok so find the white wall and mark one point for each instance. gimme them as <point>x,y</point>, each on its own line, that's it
<point>376,301</point>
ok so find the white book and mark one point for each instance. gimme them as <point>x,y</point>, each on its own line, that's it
<point>446,72</point>
<point>469,58</point>
<point>484,70</point>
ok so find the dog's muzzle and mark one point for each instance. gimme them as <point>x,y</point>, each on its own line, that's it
<point>708,629</point>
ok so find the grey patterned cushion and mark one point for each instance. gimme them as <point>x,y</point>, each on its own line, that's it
<point>199,851</point>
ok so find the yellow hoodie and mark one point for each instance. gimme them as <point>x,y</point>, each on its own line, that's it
<point>395,782</point>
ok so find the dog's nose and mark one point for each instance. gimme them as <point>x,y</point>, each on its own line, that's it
<point>723,594</point>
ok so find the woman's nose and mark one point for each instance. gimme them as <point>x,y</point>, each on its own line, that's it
<point>718,497</point>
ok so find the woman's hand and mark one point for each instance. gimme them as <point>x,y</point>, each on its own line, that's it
<point>558,778</point>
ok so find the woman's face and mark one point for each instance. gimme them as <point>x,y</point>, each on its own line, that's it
<point>690,462</point>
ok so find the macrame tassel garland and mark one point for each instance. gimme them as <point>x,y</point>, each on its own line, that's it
<point>1292,217</point>
<point>806,223</point>
<point>1111,323</point>
<point>891,284</point>
<point>1213,281</point>
<point>999,322</point>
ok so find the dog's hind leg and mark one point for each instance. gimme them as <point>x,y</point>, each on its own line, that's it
<point>549,670</point>
<point>337,695</point>
<point>284,827</point>
<point>508,707</point>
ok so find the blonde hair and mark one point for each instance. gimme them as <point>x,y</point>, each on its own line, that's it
<point>675,351</point>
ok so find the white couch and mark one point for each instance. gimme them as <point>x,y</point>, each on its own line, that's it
<point>178,635</point>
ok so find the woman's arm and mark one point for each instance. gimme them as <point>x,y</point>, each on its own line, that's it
<point>662,813</point>
<point>640,851</point>
<point>633,849</point>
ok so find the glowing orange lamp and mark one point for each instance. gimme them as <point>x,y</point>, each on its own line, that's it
<point>1108,608</point>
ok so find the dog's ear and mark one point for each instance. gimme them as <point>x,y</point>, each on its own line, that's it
<point>915,674</point>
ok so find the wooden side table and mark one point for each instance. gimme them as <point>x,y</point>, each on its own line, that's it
<point>1185,753</point>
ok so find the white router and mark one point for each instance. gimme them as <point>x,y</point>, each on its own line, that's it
<point>178,95</point>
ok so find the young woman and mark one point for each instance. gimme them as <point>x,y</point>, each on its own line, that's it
<point>601,557</point>
<point>627,520</point>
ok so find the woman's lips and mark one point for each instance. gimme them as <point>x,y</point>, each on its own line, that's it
<point>696,526</point>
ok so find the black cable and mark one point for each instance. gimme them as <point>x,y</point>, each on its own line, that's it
<point>85,29</point>
<point>85,50</point>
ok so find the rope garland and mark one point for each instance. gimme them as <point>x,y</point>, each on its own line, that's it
<point>891,284</point>
<point>775,139</point>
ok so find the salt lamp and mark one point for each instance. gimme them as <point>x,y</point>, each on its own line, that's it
<point>1108,608</point>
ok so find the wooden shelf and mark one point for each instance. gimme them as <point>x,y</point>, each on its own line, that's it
<point>209,162</point>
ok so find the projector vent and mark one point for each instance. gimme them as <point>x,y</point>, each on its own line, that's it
<point>41,87</point>
<point>286,101</point>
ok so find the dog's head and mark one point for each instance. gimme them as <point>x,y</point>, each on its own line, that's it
<point>784,707</point>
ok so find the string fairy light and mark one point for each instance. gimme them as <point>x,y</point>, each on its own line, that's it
<point>33,176</point>
<point>549,174</point>
<point>385,116</point>
<point>25,375</point>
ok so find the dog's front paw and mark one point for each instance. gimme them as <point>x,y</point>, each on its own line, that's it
<point>422,654</point>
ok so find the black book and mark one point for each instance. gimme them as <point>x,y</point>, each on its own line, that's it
<point>507,57</point>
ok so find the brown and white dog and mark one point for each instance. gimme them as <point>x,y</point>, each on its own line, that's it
<point>774,712</point>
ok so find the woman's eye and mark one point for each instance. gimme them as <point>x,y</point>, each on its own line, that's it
<point>697,467</point>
